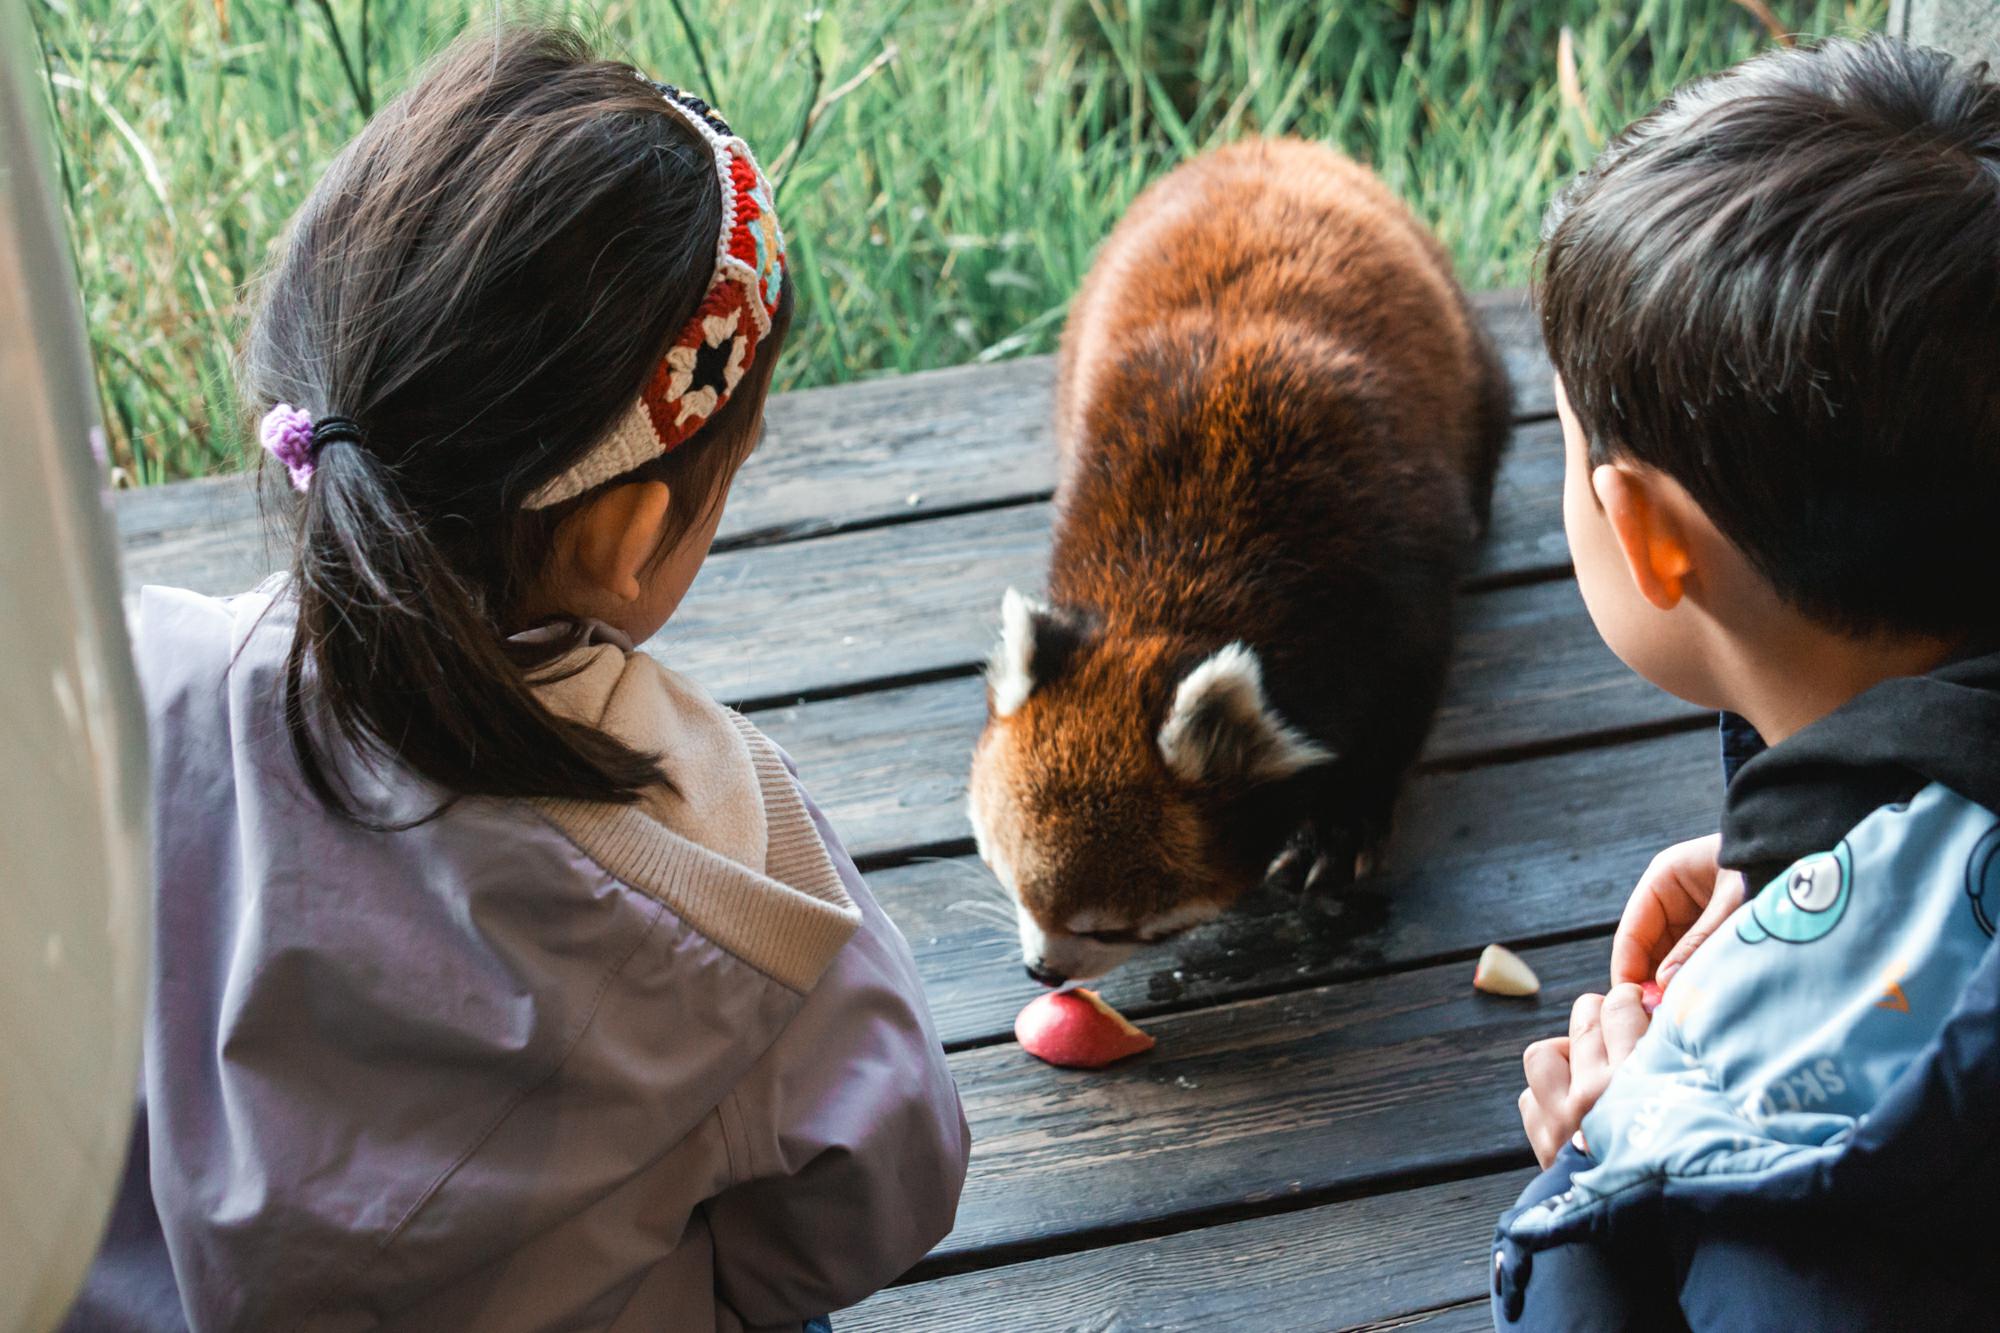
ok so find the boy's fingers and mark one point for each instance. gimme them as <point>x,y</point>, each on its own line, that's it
<point>1586,1043</point>
<point>1642,935</point>
<point>1531,1124</point>
<point>1727,897</point>
<point>1670,896</point>
<point>1546,1063</point>
<point>1623,1020</point>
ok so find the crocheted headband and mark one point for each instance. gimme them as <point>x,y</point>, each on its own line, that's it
<point>709,356</point>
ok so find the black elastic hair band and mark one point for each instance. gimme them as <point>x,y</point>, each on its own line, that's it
<point>335,430</point>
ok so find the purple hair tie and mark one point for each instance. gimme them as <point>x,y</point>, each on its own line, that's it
<point>293,438</point>
<point>287,435</point>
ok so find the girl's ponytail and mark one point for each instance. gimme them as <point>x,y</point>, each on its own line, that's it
<point>397,655</point>
<point>482,280</point>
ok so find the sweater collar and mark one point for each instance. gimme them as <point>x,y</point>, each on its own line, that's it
<point>586,631</point>
<point>1884,745</point>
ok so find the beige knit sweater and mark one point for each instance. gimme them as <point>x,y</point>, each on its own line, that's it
<point>730,846</point>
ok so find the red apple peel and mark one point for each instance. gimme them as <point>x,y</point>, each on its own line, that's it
<point>1075,1029</point>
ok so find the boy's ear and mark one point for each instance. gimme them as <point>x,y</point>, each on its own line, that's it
<point>611,539</point>
<point>1649,532</point>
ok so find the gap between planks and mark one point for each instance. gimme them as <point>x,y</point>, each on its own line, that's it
<point>842,459</point>
<point>1589,930</point>
<point>1347,1090</point>
<point>832,618</point>
<point>1554,747</point>
<point>848,689</point>
<point>1517,853</point>
<point>881,849</point>
<point>1505,1171</point>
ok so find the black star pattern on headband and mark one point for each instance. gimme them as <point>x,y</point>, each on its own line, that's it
<point>696,105</point>
<point>711,365</point>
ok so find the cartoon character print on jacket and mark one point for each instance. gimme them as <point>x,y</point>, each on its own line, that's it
<point>1774,1078</point>
<point>1803,904</point>
<point>1982,880</point>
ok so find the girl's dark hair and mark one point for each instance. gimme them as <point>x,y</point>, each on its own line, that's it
<point>1782,289</point>
<point>483,279</point>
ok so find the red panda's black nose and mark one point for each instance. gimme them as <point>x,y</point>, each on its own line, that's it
<point>1047,976</point>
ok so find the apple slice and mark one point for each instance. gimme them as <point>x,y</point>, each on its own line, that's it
<point>1501,971</point>
<point>1651,994</point>
<point>1075,1029</point>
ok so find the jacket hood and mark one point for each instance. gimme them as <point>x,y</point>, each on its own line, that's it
<point>1883,746</point>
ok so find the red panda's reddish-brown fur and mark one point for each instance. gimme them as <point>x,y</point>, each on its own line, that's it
<point>1279,424</point>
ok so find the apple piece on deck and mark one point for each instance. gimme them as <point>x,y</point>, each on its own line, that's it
<point>1501,971</point>
<point>1076,1029</point>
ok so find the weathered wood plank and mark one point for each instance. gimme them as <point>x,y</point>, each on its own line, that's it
<point>1339,1266</point>
<point>834,612</point>
<point>871,452</point>
<point>1510,321</point>
<point>1343,1088</point>
<point>880,450</point>
<point>1516,851</point>
<point>840,611</point>
<point>1528,669</point>
<point>1526,533</point>
<point>1466,1317</point>
<point>853,600</point>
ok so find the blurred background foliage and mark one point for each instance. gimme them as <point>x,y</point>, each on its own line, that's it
<point>946,167</point>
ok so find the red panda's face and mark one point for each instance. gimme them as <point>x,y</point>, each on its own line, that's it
<point>1099,782</point>
<point>1100,851</point>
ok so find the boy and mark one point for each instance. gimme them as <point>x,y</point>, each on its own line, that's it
<point>1774,310</point>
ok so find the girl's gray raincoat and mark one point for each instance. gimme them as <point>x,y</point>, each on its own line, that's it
<point>528,1064</point>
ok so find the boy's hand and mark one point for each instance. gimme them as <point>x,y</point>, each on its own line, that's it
<point>1680,900</point>
<point>1566,1075</point>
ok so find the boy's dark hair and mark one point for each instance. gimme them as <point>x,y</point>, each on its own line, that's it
<point>1782,289</point>
<point>483,280</point>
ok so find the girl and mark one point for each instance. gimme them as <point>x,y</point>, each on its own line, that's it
<point>502,979</point>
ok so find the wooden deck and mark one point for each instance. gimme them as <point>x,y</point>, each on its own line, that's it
<point>1326,1131</point>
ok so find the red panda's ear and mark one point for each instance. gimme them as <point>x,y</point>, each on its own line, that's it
<point>1034,643</point>
<point>1222,729</point>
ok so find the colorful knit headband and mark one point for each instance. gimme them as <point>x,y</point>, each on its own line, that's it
<point>704,364</point>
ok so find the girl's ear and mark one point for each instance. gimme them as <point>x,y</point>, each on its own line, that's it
<point>1649,533</point>
<point>611,540</point>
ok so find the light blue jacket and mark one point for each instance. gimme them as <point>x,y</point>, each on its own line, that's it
<point>1808,1135</point>
<point>1785,1031</point>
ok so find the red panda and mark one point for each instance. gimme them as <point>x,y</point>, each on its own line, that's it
<point>1278,423</point>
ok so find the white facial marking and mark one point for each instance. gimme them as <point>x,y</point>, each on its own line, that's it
<point>1071,957</point>
<point>1170,922</point>
<point>1034,944</point>
<point>1009,671</point>
<point>1221,725</point>
<point>1185,917</point>
<point>975,816</point>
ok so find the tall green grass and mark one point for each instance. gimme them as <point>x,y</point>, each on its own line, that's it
<point>947,166</point>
